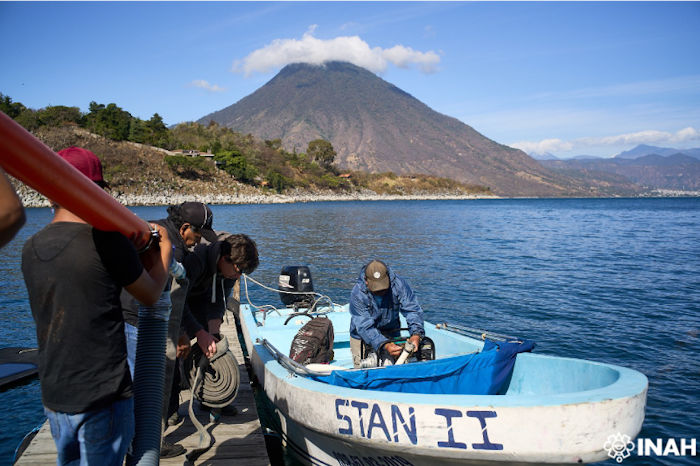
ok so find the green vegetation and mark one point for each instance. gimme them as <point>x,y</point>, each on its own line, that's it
<point>322,152</point>
<point>190,168</point>
<point>235,164</point>
<point>248,160</point>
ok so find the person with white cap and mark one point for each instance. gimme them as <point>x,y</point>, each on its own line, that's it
<point>376,300</point>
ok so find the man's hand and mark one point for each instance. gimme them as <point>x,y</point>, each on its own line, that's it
<point>415,340</point>
<point>207,342</point>
<point>393,349</point>
<point>162,232</point>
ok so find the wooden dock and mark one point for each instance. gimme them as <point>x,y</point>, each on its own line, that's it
<point>237,439</point>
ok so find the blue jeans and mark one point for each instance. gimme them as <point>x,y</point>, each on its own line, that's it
<point>99,436</point>
<point>132,337</point>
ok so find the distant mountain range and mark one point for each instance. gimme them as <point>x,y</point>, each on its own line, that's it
<point>374,126</point>
<point>639,151</point>
<point>647,166</point>
<point>642,150</point>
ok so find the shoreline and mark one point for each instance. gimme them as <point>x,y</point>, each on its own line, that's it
<point>132,200</point>
<point>32,199</point>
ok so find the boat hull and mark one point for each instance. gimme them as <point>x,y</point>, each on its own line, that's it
<point>329,425</point>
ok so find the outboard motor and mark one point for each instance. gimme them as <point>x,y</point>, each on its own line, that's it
<point>296,279</point>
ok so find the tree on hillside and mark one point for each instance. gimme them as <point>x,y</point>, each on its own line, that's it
<point>10,108</point>
<point>275,144</point>
<point>138,132</point>
<point>59,115</point>
<point>109,121</point>
<point>158,132</point>
<point>277,181</point>
<point>28,119</point>
<point>236,165</point>
<point>322,152</point>
<point>156,125</point>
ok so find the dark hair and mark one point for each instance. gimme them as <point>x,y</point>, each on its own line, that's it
<point>243,252</point>
<point>175,217</point>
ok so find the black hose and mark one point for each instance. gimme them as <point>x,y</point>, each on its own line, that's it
<point>148,382</point>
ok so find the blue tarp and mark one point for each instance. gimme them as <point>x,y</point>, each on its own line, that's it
<point>484,373</point>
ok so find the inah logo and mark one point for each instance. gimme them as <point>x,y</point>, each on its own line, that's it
<point>619,446</point>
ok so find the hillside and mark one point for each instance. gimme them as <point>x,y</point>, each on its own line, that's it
<point>375,126</point>
<point>139,174</point>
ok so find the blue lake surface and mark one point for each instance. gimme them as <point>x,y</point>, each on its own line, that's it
<point>611,280</point>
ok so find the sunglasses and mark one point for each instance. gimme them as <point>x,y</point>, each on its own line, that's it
<point>230,261</point>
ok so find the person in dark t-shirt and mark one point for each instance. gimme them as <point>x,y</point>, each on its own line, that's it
<point>74,274</point>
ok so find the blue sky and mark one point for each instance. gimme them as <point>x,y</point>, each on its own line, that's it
<point>565,78</point>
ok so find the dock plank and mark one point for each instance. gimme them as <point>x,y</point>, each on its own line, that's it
<point>238,437</point>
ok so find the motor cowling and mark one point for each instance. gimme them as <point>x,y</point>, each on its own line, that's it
<point>294,282</point>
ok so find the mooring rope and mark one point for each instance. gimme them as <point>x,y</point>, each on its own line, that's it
<point>269,307</point>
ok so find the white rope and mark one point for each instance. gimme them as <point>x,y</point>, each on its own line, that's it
<point>265,308</point>
<point>268,307</point>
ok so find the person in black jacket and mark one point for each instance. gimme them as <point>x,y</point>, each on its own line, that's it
<point>212,269</point>
<point>207,267</point>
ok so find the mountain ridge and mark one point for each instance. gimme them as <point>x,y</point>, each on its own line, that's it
<point>673,172</point>
<point>642,149</point>
<point>375,126</point>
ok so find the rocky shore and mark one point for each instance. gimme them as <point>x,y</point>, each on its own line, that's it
<point>31,198</point>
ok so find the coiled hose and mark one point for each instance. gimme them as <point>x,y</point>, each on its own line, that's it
<point>148,382</point>
<point>220,378</point>
<point>214,383</point>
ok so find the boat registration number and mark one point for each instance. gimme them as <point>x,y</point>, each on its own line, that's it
<point>398,424</point>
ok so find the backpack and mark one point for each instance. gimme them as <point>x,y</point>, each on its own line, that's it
<point>313,343</point>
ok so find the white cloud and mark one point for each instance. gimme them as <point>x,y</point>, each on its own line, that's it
<point>641,137</point>
<point>687,134</point>
<point>205,85</point>
<point>544,146</point>
<point>309,49</point>
<point>644,137</point>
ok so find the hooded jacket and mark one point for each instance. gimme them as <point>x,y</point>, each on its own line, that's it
<point>205,298</point>
<point>368,321</point>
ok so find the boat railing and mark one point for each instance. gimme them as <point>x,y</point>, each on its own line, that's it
<point>288,363</point>
<point>475,332</point>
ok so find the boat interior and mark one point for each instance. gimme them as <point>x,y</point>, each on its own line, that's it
<point>532,373</point>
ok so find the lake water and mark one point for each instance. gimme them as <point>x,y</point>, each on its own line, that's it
<point>611,280</point>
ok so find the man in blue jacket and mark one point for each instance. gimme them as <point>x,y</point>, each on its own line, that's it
<point>375,302</point>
